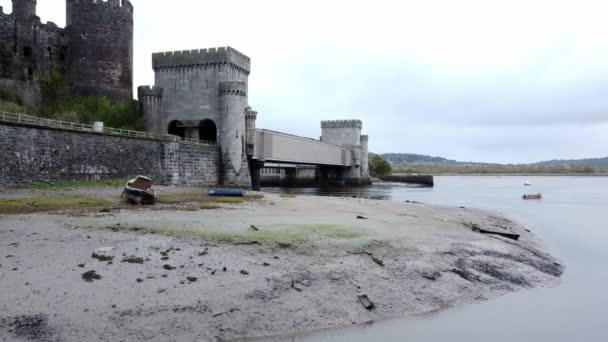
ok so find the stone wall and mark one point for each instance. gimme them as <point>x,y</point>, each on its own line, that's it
<point>35,155</point>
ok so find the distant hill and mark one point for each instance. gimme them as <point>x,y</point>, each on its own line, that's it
<point>596,162</point>
<point>400,158</point>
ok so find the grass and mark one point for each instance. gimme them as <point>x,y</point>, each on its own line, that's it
<point>288,196</point>
<point>230,200</point>
<point>208,206</point>
<point>80,184</point>
<point>41,204</point>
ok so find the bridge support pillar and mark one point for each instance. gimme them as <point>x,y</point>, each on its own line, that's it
<point>290,177</point>
<point>340,176</point>
<point>323,175</point>
<point>255,168</point>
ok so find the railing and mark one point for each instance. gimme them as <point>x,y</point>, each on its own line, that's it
<point>73,126</point>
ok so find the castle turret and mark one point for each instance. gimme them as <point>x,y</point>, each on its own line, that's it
<point>250,118</point>
<point>100,60</point>
<point>150,102</point>
<point>233,104</point>
<point>365,157</point>
<point>24,9</point>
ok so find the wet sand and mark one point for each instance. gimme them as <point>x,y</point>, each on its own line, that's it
<point>271,267</point>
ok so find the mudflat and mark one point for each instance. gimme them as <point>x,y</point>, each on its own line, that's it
<point>193,268</point>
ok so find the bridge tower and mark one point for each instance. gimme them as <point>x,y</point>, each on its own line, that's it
<point>347,134</point>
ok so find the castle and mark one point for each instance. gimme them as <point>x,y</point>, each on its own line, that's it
<point>202,95</point>
<point>94,52</point>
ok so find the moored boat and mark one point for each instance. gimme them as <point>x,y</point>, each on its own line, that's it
<point>532,197</point>
<point>139,191</point>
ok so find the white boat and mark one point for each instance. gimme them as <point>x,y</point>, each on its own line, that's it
<point>527,184</point>
<point>139,191</point>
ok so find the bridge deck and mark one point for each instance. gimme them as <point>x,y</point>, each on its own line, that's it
<point>280,147</point>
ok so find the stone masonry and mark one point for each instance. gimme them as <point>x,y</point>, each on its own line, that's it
<point>94,52</point>
<point>37,154</point>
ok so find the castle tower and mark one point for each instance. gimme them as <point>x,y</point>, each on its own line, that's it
<point>24,9</point>
<point>347,134</point>
<point>150,102</point>
<point>100,60</point>
<point>233,104</point>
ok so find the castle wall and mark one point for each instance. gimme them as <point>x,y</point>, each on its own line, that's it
<point>36,154</point>
<point>29,51</point>
<point>100,61</point>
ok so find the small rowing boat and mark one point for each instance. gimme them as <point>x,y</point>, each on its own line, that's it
<point>532,197</point>
<point>139,191</point>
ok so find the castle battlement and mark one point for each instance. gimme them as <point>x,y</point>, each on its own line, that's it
<point>342,124</point>
<point>148,91</point>
<point>222,55</point>
<point>126,4</point>
<point>233,88</point>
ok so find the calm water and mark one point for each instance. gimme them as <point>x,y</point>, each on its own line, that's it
<point>572,220</point>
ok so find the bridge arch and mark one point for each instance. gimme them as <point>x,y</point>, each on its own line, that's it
<point>207,130</point>
<point>176,127</point>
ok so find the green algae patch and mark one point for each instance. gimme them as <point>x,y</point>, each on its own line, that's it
<point>41,204</point>
<point>287,196</point>
<point>254,196</point>
<point>229,200</point>
<point>208,206</point>
<point>279,234</point>
<point>119,182</point>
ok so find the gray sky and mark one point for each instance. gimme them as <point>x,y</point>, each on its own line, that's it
<point>483,80</point>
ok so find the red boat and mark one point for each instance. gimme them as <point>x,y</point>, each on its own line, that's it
<point>532,197</point>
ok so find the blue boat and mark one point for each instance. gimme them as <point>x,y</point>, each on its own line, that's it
<point>227,192</point>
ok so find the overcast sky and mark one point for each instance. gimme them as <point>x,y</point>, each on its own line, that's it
<point>482,80</point>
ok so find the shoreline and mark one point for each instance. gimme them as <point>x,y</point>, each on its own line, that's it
<point>272,266</point>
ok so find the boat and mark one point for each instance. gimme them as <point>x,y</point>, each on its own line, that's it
<point>139,191</point>
<point>532,197</point>
<point>227,192</point>
<point>527,184</point>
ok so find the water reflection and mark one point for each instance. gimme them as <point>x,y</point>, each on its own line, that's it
<point>571,219</point>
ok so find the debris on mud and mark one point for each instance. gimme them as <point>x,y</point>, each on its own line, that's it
<point>378,261</point>
<point>139,280</point>
<point>90,276</point>
<point>168,267</point>
<point>102,257</point>
<point>81,265</point>
<point>243,272</point>
<point>32,328</point>
<point>367,304</point>
<point>191,279</point>
<point>431,275</point>
<point>255,228</point>
<point>361,217</point>
<point>133,260</point>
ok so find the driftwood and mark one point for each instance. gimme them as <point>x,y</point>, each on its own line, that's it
<point>511,236</point>
<point>367,304</point>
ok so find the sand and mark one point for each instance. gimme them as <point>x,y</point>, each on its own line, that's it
<point>268,269</point>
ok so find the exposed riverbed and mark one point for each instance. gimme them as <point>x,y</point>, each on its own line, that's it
<point>273,266</point>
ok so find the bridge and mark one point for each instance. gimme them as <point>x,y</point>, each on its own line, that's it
<point>341,154</point>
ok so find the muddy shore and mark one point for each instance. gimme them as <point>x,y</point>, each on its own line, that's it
<point>271,266</point>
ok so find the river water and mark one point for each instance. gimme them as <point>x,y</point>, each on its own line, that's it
<point>572,220</point>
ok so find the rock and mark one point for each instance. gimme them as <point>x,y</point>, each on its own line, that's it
<point>431,275</point>
<point>378,261</point>
<point>265,264</point>
<point>90,276</point>
<point>191,279</point>
<point>164,258</point>
<point>139,280</point>
<point>133,260</point>
<point>224,269</point>
<point>243,272</point>
<point>168,267</point>
<point>81,265</point>
<point>102,257</point>
<point>306,282</point>
<point>361,218</point>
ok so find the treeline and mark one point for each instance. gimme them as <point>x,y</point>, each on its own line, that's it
<point>438,169</point>
<point>57,103</point>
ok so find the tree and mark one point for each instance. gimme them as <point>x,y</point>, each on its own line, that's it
<point>379,167</point>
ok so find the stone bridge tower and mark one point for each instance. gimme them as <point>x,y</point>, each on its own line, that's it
<point>203,95</point>
<point>100,59</point>
<point>347,134</point>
